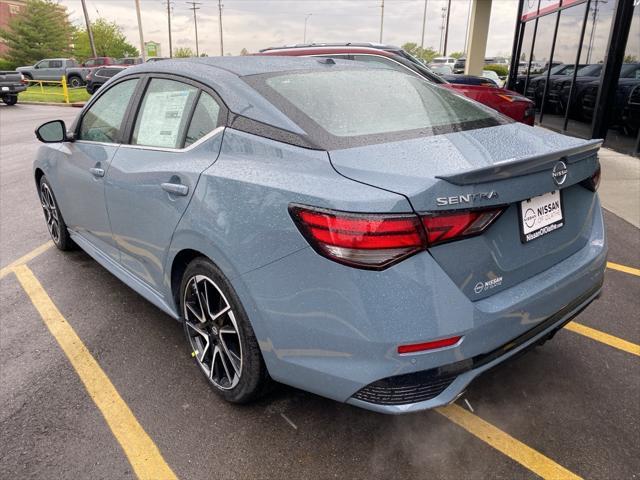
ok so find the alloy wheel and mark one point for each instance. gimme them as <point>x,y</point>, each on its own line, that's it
<point>213,332</point>
<point>50,212</point>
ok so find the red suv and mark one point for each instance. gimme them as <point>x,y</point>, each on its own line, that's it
<point>509,103</point>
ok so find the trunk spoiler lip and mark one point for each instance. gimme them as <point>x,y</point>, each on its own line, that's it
<point>521,166</point>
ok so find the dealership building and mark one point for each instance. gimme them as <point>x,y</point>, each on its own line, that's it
<point>579,60</point>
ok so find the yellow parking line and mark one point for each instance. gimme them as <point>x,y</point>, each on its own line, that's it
<point>26,258</point>
<point>605,338</point>
<point>503,442</point>
<point>624,268</point>
<point>144,456</point>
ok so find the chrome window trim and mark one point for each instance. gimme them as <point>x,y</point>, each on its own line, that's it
<point>93,142</point>
<point>195,144</point>
<point>365,55</point>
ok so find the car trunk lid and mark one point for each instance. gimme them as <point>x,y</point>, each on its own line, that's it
<point>491,167</point>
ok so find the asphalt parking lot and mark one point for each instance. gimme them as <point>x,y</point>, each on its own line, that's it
<point>568,409</point>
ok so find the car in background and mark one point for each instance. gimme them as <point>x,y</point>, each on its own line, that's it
<point>458,67</point>
<point>493,76</point>
<point>54,69</point>
<point>442,62</point>
<point>560,87</point>
<point>99,61</point>
<point>628,72</point>
<point>624,107</point>
<point>505,101</point>
<point>156,59</point>
<point>469,80</point>
<point>100,75</point>
<point>344,228</point>
<point>11,83</point>
<point>632,111</point>
<point>441,69</point>
<point>535,87</point>
<point>130,61</point>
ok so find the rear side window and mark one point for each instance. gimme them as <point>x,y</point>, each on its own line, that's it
<point>55,64</point>
<point>163,115</point>
<point>205,119</point>
<point>103,121</point>
<point>361,102</point>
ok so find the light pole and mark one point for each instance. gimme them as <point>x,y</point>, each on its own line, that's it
<point>306,18</point>
<point>169,24</point>
<point>381,19</point>
<point>424,23</point>
<point>143,51</point>
<point>446,31</point>
<point>89,32</point>
<point>194,7</point>
<point>220,24</point>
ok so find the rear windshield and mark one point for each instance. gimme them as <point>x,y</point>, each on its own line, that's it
<point>356,106</point>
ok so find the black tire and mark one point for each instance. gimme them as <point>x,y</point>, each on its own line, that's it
<point>10,99</point>
<point>252,380</point>
<point>28,77</point>
<point>53,217</point>
<point>75,81</point>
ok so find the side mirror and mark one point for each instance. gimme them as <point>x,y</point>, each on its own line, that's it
<point>52,132</point>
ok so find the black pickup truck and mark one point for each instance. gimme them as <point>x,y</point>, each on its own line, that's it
<point>11,83</point>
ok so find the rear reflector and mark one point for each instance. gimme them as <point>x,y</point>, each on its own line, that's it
<point>420,347</point>
<point>376,241</point>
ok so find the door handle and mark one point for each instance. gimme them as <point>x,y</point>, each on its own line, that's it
<point>175,188</point>
<point>97,172</point>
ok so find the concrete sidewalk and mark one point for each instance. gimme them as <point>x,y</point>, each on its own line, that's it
<point>620,185</point>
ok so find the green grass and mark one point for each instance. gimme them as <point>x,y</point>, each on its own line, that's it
<point>34,94</point>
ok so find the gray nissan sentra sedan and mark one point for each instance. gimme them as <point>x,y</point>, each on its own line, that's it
<point>346,229</point>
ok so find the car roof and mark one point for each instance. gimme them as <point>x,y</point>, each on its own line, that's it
<point>379,46</point>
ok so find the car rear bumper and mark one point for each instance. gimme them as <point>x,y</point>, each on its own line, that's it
<point>334,330</point>
<point>12,89</point>
<point>444,384</point>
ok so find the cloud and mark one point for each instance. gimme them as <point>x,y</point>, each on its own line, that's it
<point>256,24</point>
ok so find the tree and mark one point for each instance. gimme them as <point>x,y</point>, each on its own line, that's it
<point>244,51</point>
<point>456,54</point>
<point>42,31</point>
<point>426,54</point>
<point>183,52</point>
<point>109,41</point>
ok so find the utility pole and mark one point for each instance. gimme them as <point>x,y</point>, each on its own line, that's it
<point>194,7</point>
<point>304,38</point>
<point>143,51</point>
<point>443,16</point>
<point>446,29</point>
<point>424,23</point>
<point>381,19</point>
<point>220,24</point>
<point>89,32</point>
<point>466,32</point>
<point>169,24</point>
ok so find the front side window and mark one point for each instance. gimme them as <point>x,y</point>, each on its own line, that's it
<point>43,64</point>
<point>103,121</point>
<point>90,63</point>
<point>354,103</point>
<point>205,119</point>
<point>163,115</point>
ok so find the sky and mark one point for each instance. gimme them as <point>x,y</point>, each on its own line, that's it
<point>257,24</point>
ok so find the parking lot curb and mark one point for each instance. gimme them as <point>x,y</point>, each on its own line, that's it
<point>53,104</point>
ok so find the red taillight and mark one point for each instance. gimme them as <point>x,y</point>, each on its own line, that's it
<point>420,347</point>
<point>593,182</point>
<point>376,241</point>
<point>367,241</point>
<point>449,226</point>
